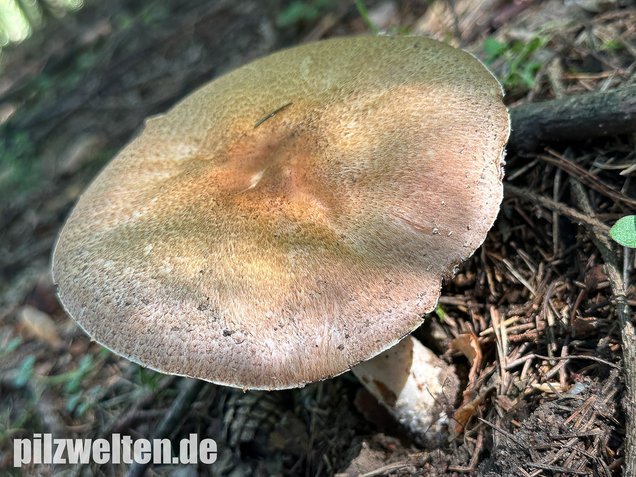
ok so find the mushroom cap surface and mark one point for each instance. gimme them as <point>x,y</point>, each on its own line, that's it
<point>291,218</point>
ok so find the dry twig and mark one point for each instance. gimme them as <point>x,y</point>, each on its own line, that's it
<point>628,332</point>
<point>590,115</point>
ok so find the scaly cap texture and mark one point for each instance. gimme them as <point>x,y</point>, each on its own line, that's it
<point>293,217</point>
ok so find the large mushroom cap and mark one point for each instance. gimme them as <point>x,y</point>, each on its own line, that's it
<point>291,218</point>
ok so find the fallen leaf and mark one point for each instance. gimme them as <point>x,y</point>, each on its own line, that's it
<point>36,324</point>
<point>468,345</point>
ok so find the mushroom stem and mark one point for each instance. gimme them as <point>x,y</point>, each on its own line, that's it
<point>415,385</point>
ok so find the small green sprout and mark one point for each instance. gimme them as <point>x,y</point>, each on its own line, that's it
<point>439,311</point>
<point>521,60</point>
<point>364,14</point>
<point>624,231</point>
<point>25,371</point>
<point>302,11</point>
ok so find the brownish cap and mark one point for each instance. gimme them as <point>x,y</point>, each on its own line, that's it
<point>291,218</point>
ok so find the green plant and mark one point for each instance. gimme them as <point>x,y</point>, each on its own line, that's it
<point>612,45</point>
<point>13,419</point>
<point>302,11</point>
<point>364,14</point>
<point>439,311</point>
<point>147,378</point>
<point>520,62</point>
<point>81,401</point>
<point>78,400</point>
<point>624,231</point>
<point>25,371</point>
<point>10,346</point>
<point>16,149</point>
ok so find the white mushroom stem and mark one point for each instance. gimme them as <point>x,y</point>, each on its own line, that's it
<point>415,385</point>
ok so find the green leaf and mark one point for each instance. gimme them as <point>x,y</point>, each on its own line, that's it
<point>494,48</point>
<point>364,14</point>
<point>439,311</point>
<point>72,401</point>
<point>11,346</point>
<point>297,12</point>
<point>624,231</point>
<point>25,371</point>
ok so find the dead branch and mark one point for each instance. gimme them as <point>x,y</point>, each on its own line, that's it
<point>572,214</point>
<point>574,118</point>
<point>628,332</point>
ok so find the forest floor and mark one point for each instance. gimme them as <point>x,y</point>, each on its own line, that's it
<point>529,321</point>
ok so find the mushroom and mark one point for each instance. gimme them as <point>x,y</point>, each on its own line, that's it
<point>294,218</point>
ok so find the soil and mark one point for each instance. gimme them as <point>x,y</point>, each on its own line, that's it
<point>529,321</point>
